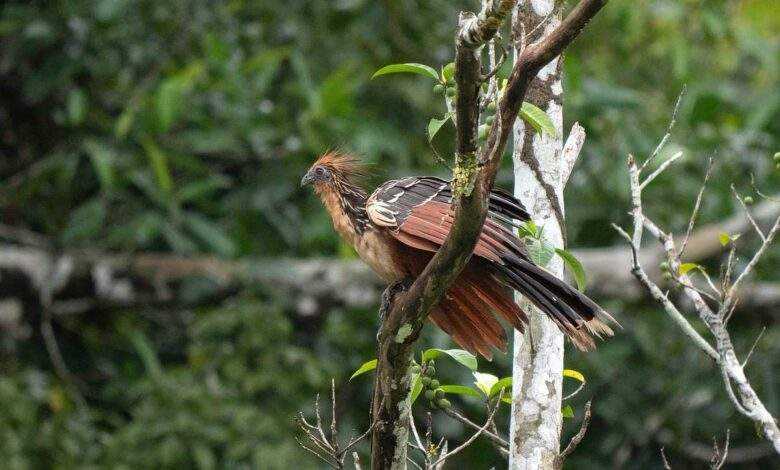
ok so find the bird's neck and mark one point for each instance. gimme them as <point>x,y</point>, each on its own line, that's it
<point>346,204</point>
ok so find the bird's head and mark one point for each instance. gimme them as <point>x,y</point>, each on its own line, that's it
<point>317,175</point>
<point>332,168</point>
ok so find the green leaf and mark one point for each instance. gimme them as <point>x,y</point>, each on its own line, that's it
<point>434,125</point>
<point>159,162</point>
<point>485,382</point>
<point>539,250</point>
<point>171,94</point>
<point>463,357</point>
<point>419,69</point>
<point>204,457</point>
<point>506,383</point>
<point>178,241</point>
<point>528,229</point>
<point>567,411</point>
<point>77,106</point>
<point>125,122</point>
<point>574,266</point>
<point>417,387</point>
<point>724,238</point>
<point>202,188</point>
<point>366,367</point>
<point>448,72</point>
<point>102,159</point>
<point>685,267</point>
<point>86,222</point>
<point>573,374</point>
<point>169,102</point>
<point>537,118</point>
<point>210,233</point>
<point>147,353</point>
<point>461,390</point>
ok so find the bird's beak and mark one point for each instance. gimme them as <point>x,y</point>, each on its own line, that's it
<point>307,179</point>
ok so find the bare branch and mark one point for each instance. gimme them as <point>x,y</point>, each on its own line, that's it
<point>719,454</point>
<point>575,392</point>
<point>745,399</point>
<point>575,441</point>
<point>732,291</point>
<point>663,166</point>
<point>474,436</point>
<point>664,460</point>
<point>696,206</point>
<point>747,214</point>
<point>498,440</point>
<point>571,150</point>
<point>329,449</point>
<point>476,30</point>
<point>668,305</point>
<point>472,182</point>
<point>753,347</point>
<point>330,464</point>
<point>668,134</point>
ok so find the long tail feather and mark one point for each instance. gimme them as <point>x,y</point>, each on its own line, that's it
<point>578,316</point>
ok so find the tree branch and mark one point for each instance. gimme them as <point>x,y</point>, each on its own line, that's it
<point>473,180</point>
<point>745,399</point>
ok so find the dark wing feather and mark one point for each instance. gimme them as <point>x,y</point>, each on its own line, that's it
<point>418,212</point>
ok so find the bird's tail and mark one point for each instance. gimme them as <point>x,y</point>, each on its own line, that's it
<point>580,318</point>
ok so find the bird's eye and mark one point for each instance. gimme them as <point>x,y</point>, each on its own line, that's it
<point>320,171</point>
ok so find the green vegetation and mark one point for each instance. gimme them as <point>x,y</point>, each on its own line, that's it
<point>184,127</point>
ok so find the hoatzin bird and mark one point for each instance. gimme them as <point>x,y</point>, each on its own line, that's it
<point>397,229</point>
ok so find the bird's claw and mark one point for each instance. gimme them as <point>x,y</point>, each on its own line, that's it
<point>388,295</point>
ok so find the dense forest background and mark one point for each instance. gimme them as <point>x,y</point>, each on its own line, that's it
<point>151,221</point>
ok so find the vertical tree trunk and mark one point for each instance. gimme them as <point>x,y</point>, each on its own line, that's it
<point>539,178</point>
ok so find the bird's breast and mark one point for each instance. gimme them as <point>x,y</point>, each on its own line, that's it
<point>382,253</point>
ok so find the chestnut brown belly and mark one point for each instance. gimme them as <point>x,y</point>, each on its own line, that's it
<point>387,257</point>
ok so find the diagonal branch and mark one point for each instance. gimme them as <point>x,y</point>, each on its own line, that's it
<point>474,436</point>
<point>744,398</point>
<point>473,180</point>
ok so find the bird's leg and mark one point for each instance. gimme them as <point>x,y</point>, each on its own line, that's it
<point>389,295</point>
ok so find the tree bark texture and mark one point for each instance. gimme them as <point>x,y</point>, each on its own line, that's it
<point>535,426</point>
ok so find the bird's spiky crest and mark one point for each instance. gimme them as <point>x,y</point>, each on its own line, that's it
<point>345,165</point>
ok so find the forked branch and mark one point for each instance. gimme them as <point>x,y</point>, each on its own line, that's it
<point>473,180</point>
<point>736,383</point>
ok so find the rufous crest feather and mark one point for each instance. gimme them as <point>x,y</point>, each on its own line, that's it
<point>344,164</point>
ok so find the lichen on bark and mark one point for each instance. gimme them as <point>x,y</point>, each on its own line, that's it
<point>464,175</point>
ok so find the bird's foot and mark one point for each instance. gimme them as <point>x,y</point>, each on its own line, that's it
<point>389,295</point>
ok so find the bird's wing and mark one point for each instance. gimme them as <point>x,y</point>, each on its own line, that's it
<point>418,212</point>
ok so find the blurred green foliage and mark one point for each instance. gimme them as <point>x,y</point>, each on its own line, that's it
<point>184,126</point>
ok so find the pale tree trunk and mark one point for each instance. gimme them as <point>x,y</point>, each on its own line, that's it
<point>540,173</point>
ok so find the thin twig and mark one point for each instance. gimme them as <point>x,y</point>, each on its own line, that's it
<point>660,169</point>
<point>662,298</point>
<point>475,435</point>
<point>753,347</point>
<point>575,441</point>
<point>300,443</point>
<point>719,455</point>
<point>696,207</point>
<point>575,392</point>
<point>731,293</point>
<point>669,128</point>
<point>494,437</point>
<point>682,283</point>
<point>664,460</point>
<point>416,434</point>
<point>747,214</point>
